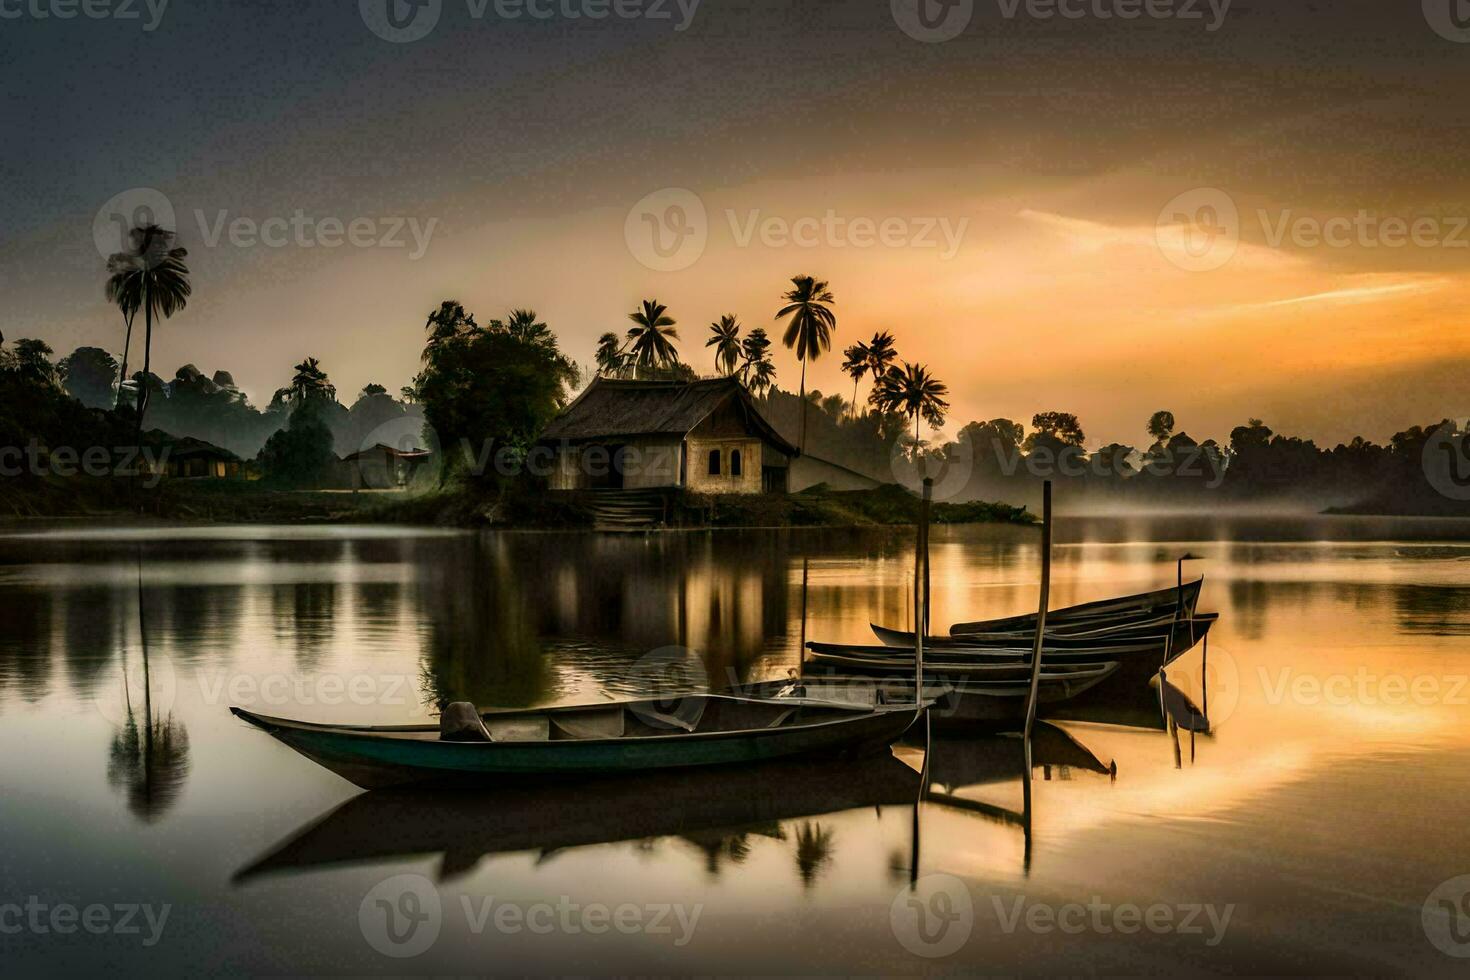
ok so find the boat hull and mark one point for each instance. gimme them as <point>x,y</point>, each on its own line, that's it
<point>372,761</point>
<point>957,701</point>
<point>1181,636</point>
<point>1091,615</point>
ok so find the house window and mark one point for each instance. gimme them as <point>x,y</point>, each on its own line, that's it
<point>735,463</point>
<point>714,462</point>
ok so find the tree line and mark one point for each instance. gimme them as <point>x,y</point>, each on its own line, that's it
<point>501,383</point>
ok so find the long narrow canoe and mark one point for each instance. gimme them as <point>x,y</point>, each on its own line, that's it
<point>1180,634</point>
<point>988,673</point>
<point>1090,615</point>
<point>581,740</point>
<point>1151,648</point>
<point>958,699</point>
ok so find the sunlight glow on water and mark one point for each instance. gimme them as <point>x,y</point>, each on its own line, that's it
<point>1336,685</point>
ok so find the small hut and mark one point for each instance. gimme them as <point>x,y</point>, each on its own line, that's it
<point>707,436</point>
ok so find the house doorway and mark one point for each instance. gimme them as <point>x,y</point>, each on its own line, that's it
<point>605,467</point>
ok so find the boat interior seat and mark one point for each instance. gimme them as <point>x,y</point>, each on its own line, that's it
<point>597,723</point>
<point>519,728</point>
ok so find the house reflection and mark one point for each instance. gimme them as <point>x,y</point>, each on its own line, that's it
<point>496,608</point>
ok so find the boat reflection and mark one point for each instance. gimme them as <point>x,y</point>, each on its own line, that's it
<point>719,812</point>
<point>711,808</point>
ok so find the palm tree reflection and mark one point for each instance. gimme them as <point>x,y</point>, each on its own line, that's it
<point>813,851</point>
<point>148,761</point>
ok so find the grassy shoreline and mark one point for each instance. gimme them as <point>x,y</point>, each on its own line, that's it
<point>467,505</point>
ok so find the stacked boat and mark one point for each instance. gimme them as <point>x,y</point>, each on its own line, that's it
<point>982,671</point>
<point>849,698</point>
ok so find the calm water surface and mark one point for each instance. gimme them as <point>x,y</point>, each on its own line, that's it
<point>1320,812</point>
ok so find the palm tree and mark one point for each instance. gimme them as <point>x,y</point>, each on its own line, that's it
<point>881,355</point>
<point>859,360</point>
<point>912,390</point>
<point>123,290</point>
<point>759,371</point>
<point>763,376</point>
<point>447,324</point>
<point>525,327</point>
<point>311,381</point>
<point>156,274</point>
<point>726,342</point>
<point>33,360</point>
<point>610,357</point>
<point>649,338</point>
<point>810,330</point>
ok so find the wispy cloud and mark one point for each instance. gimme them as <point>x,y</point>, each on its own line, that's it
<point>1358,294</point>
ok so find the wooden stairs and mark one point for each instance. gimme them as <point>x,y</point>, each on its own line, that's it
<point>628,510</point>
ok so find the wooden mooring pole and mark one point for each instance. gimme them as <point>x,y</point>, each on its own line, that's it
<point>1040,613</point>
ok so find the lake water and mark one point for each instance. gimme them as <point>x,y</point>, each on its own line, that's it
<point>1318,827</point>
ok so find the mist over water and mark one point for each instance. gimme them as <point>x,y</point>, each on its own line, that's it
<point>1338,734</point>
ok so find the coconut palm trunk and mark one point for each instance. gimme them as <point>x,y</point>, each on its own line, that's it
<point>802,447</point>
<point>147,366</point>
<point>127,344</point>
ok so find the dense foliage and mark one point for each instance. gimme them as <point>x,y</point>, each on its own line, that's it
<point>487,388</point>
<point>300,456</point>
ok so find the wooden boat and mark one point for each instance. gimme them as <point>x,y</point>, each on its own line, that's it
<point>626,737</point>
<point>1183,635</point>
<point>1139,659</point>
<point>899,668</point>
<point>464,826</point>
<point>1091,615</point>
<point>1151,649</point>
<point>959,699</point>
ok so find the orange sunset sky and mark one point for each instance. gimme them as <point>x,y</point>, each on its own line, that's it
<point>1057,146</point>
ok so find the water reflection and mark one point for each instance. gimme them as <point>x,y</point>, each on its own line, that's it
<point>148,759</point>
<point>1217,809</point>
<point>718,810</point>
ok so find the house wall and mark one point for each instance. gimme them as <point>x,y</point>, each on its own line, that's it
<point>650,463</point>
<point>808,471</point>
<point>646,463</point>
<point>700,480</point>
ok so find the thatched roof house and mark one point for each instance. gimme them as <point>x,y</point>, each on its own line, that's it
<point>707,436</point>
